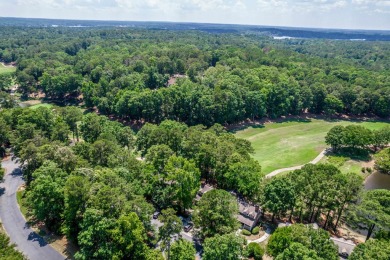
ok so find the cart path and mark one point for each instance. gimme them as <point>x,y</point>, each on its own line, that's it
<point>316,160</point>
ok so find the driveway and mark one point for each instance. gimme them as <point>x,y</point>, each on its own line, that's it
<point>27,241</point>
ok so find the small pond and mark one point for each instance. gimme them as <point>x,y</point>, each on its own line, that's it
<point>377,181</point>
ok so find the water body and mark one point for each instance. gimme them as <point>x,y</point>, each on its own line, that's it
<point>377,181</point>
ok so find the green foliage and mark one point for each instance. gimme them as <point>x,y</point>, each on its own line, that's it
<point>353,136</point>
<point>45,195</point>
<point>104,238</point>
<point>255,250</point>
<point>297,251</point>
<point>332,105</point>
<point>297,241</point>
<point>2,174</point>
<point>224,247</point>
<point>279,195</point>
<point>382,161</point>
<point>182,250</point>
<point>246,232</point>
<point>372,249</point>
<point>172,225</point>
<point>255,230</point>
<point>371,212</point>
<point>184,178</point>
<point>7,250</point>
<point>216,213</point>
<point>245,177</point>
<point>230,77</point>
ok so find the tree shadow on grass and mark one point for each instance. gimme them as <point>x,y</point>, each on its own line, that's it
<point>356,154</point>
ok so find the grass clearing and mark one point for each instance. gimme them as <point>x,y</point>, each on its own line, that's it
<point>6,69</point>
<point>22,202</point>
<point>293,142</point>
<point>41,105</point>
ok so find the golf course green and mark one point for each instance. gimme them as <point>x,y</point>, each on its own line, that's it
<point>292,142</point>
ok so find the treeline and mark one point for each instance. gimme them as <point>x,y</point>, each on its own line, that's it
<point>322,194</point>
<point>229,77</point>
<point>355,136</point>
<point>312,192</point>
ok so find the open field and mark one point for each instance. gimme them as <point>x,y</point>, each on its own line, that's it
<point>293,142</point>
<point>6,69</point>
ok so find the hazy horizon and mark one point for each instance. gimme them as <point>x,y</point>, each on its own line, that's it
<point>325,14</point>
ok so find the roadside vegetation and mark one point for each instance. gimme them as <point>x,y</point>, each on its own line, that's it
<point>8,250</point>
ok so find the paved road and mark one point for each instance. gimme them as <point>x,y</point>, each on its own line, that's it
<point>316,160</point>
<point>26,240</point>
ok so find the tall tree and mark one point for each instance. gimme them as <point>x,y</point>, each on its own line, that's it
<point>183,250</point>
<point>372,249</point>
<point>172,226</point>
<point>184,178</point>
<point>224,247</point>
<point>216,213</point>
<point>371,212</point>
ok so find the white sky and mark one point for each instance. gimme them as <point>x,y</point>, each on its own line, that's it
<point>353,14</point>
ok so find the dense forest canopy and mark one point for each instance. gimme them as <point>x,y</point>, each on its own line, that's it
<point>213,78</point>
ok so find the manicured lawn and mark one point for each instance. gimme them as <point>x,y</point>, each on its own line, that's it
<point>4,69</point>
<point>292,143</point>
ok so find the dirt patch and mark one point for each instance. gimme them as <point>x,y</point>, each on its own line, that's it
<point>38,94</point>
<point>369,164</point>
<point>349,234</point>
<point>60,243</point>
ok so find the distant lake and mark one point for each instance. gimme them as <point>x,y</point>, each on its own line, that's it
<point>377,181</point>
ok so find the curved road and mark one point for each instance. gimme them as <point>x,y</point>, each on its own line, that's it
<point>316,160</point>
<point>26,240</point>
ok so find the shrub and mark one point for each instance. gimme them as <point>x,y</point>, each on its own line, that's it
<point>2,173</point>
<point>245,232</point>
<point>369,170</point>
<point>255,250</point>
<point>255,230</point>
<point>363,169</point>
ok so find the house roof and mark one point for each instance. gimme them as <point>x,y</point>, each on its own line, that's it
<point>244,220</point>
<point>203,190</point>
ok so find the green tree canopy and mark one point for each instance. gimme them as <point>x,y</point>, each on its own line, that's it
<point>312,242</point>
<point>216,213</point>
<point>182,250</point>
<point>382,161</point>
<point>372,249</point>
<point>371,212</point>
<point>224,247</point>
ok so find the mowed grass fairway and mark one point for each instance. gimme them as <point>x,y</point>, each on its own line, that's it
<point>291,143</point>
<point>4,69</point>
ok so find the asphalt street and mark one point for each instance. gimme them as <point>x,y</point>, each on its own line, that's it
<point>27,241</point>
